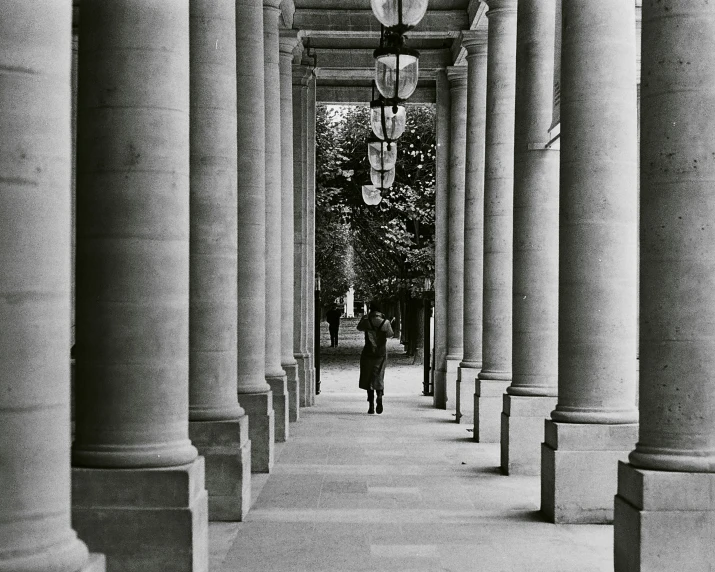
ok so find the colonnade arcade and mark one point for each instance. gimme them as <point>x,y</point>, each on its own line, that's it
<point>177,258</point>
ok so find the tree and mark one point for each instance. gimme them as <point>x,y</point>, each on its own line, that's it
<point>385,251</point>
<point>393,242</point>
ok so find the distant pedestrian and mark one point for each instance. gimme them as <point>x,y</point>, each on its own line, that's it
<point>374,355</point>
<point>333,317</point>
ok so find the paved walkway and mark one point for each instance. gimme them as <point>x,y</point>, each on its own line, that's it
<point>407,490</point>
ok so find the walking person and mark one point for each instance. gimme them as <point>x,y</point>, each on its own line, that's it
<point>333,318</point>
<point>374,355</point>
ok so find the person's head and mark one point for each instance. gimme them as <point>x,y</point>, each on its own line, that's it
<point>375,306</point>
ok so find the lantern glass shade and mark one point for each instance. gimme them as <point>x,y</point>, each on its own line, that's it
<point>396,72</point>
<point>382,179</point>
<point>386,124</point>
<point>371,195</point>
<point>382,155</point>
<point>388,12</point>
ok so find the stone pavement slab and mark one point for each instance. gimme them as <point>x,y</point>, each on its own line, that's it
<point>408,490</point>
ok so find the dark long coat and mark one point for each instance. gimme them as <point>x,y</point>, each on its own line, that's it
<point>372,363</point>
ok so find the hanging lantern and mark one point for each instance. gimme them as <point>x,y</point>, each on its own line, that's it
<point>387,124</point>
<point>396,71</point>
<point>400,14</point>
<point>371,195</point>
<point>382,155</point>
<point>382,179</point>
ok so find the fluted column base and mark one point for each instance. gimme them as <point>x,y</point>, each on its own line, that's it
<point>664,521</point>
<point>487,409</point>
<point>144,519</point>
<point>579,463</point>
<point>261,429</point>
<point>293,387</point>
<point>466,377</point>
<point>450,380</point>
<point>279,389</point>
<point>226,449</point>
<point>522,422</point>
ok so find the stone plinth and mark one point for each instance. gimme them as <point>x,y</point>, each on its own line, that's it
<point>579,464</point>
<point>144,519</point>
<point>226,449</point>
<point>522,424</point>
<point>664,521</point>
<point>261,429</point>
<point>466,377</point>
<point>450,382</point>
<point>487,409</point>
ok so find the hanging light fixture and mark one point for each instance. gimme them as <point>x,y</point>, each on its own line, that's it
<point>382,179</point>
<point>371,195</point>
<point>381,154</point>
<point>387,118</point>
<point>397,70</point>
<point>399,15</point>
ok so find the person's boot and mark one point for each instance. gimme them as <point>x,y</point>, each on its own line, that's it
<point>371,400</point>
<point>379,402</point>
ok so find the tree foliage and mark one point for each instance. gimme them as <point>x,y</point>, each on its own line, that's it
<point>380,249</point>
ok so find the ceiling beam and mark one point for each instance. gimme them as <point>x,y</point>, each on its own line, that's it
<point>362,58</point>
<point>363,21</point>
<point>361,74</point>
<point>361,95</point>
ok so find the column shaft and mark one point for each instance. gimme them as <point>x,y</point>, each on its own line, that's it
<point>499,191</point>
<point>594,421</point>
<point>531,395</point>
<point>254,393</point>
<point>275,374</point>
<point>441,239</point>
<point>214,413</point>
<point>288,43</point>
<point>133,237</point>
<point>303,320</point>
<point>455,258</point>
<point>35,216</point>
<point>213,225</point>
<point>665,509</point>
<point>133,290</point>
<point>311,234</point>
<point>476,44</point>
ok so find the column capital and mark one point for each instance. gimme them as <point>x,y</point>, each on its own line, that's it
<point>288,41</point>
<point>457,76</point>
<point>475,41</point>
<point>500,6</point>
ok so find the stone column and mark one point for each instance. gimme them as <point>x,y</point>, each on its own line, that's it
<point>136,471</point>
<point>532,394</point>
<point>303,320</point>
<point>495,375</point>
<point>441,240</point>
<point>595,421</point>
<point>288,43</point>
<point>455,257</point>
<point>275,374</point>
<point>665,507</point>
<point>35,216</point>
<point>310,248</point>
<point>218,426</point>
<point>254,393</point>
<point>475,43</point>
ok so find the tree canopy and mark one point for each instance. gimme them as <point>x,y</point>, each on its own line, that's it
<point>378,249</point>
